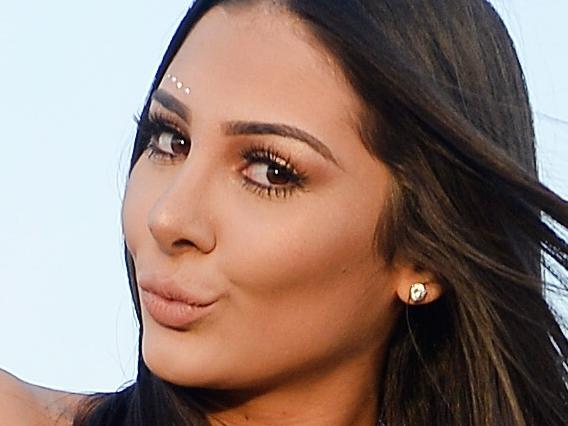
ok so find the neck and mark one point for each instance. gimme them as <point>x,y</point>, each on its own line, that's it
<point>346,395</point>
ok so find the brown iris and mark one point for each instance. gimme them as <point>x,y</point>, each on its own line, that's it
<point>180,146</point>
<point>277,175</point>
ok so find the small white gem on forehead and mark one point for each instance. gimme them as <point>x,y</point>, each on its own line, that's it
<point>178,83</point>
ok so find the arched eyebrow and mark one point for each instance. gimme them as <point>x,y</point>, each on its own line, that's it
<point>173,104</point>
<point>236,128</point>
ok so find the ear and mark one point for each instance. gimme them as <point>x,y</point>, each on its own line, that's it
<point>417,287</point>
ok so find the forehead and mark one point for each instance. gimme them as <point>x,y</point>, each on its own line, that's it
<point>259,60</point>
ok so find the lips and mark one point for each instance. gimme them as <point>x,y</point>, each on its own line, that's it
<point>171,305</point>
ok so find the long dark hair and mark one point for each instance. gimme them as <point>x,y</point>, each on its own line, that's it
<point>448,113</point>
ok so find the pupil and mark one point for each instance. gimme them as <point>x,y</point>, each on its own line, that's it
<point>277,176</point>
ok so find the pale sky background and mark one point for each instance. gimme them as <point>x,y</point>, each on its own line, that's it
<point>75,73</point>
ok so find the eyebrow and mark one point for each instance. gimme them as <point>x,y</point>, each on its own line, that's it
<point>236,128</point>
<point>172,103</point>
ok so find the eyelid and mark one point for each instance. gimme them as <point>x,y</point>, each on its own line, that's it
<point>164,116</point>
<point>267,154</point>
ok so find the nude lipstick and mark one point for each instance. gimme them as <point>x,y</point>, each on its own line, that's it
<point>171,307</point>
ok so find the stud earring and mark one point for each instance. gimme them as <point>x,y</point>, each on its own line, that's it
<point>417,292</point>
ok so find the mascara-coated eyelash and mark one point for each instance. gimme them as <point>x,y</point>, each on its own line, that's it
<point>164,142</point>
<point>278,167</point>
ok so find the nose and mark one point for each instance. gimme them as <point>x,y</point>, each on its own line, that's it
<point>180,219</point>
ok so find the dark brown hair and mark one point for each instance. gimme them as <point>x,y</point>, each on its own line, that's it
<point>448,113</point>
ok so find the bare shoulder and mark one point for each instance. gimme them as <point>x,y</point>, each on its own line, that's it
<point>17,406</point>
<point>22,403</point>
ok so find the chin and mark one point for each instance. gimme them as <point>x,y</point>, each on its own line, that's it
<point>187,360</point>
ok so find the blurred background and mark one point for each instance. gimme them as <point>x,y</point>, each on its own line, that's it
<point>75,74</point>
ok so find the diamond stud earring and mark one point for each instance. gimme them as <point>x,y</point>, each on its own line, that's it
<point>418,292</point>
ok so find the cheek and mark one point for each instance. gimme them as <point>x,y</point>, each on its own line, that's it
<point>271,246</point>
<point>140,195</point>
<point>309,273</point>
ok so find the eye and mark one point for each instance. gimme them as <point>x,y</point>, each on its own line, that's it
<point>163,140</point>
<point>268,173</point>
<point>170,143</point>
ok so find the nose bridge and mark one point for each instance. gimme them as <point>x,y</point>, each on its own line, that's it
<point>180,217</point>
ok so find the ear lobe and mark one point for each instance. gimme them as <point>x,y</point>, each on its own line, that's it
<point>418,288</point>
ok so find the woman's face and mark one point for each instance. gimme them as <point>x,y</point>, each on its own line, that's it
<point>270,217</point>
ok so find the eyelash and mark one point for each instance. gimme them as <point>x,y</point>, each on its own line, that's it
<point>153,125</point>
<point>268,155</point>
<point>156,123</point>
